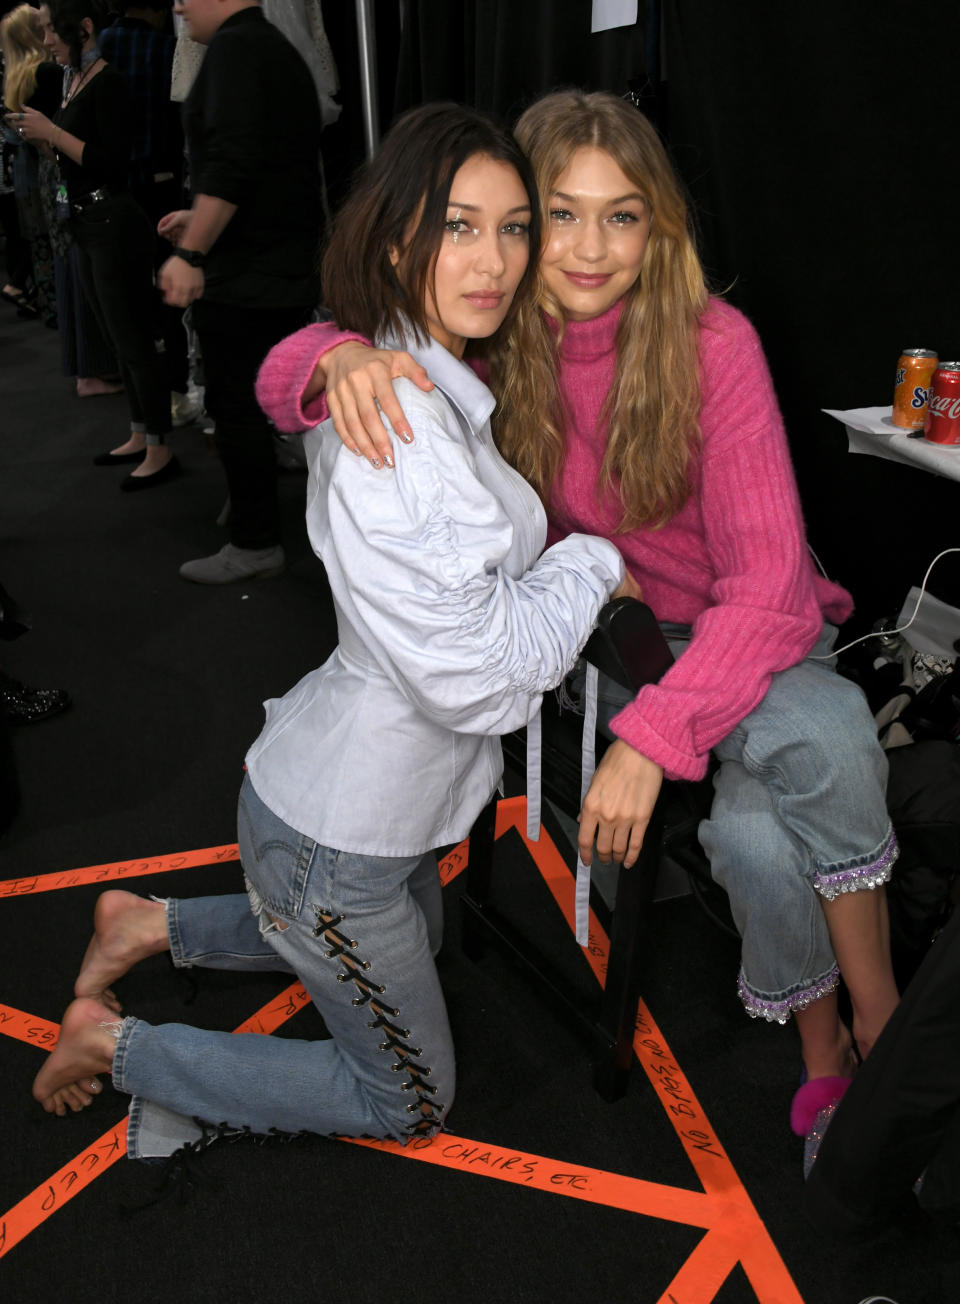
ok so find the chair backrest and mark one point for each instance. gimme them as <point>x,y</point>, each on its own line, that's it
<point>628,645</point>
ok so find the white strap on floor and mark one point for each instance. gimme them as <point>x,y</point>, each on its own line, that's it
<point>588,764</point>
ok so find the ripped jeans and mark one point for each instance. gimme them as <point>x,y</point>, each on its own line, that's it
<point>360,933</point>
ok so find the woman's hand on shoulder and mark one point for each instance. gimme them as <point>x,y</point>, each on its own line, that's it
<point>359,384</point>
<point>618,805</point>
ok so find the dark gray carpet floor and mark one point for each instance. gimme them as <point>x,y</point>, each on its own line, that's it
<point>167,681</point>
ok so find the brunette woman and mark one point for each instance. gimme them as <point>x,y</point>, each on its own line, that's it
<point>641,408</point>
<point>90,136</point>
<point>451,626</point>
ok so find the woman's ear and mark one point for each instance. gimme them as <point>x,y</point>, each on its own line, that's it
<point>393,253</point>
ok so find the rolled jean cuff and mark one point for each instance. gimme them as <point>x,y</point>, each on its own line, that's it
<point>126,1030</point>
<point>867,872</point>
<point>779,1008</point>
<point>174,933</point>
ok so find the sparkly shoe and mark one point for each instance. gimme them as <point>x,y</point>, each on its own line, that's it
<point>25,705</point>
<point>813,1107</point>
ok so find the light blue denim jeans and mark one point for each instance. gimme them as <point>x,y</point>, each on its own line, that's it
<point>360,932</point>
<point>799,814</point>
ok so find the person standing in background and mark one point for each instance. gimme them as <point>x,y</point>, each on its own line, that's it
<point>245,253</point>
<point>140,44</point>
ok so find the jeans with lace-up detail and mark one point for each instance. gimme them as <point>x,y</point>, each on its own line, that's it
<point>360,932</point>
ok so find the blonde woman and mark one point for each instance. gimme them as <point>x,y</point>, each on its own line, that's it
<point>30,80</point>
<point>642,409</point>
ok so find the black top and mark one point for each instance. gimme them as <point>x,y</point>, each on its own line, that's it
<point>49,89</point>
<point>252,122</point>
<point>100,115</point>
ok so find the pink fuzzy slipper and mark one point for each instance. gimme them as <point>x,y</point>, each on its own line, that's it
<point>817,1094</point>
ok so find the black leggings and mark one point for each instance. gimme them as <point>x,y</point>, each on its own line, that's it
<point>115,257</point>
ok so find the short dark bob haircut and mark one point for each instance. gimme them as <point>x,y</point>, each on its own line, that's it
<point>413,170</point>
<point>66,18</point>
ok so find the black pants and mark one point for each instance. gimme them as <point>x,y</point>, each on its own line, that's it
<point>115,259</point>
<point>234,341</point>
<point>156,200</point>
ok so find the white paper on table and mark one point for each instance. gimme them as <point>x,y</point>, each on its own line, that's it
<point>936,627</point>
<point>613,13</point>
<point>871,430</point>
<point>871,420</point>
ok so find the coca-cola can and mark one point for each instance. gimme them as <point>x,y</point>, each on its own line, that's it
<point>915,368</point>
<point>943,415</point>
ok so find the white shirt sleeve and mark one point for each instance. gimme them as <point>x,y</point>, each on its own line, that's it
<point>425,564</point>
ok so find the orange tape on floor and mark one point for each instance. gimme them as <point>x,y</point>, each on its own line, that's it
<point>28,1214</point>
<point>556,1177</point>
<point>26,1027</point>
<point>48,1198</point>
<point>734,1232</point>
<point>14,887</point>
<point>741,1235</point>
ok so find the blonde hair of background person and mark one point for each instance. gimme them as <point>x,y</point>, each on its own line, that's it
<point>654,401</point>
<point>23,52</point>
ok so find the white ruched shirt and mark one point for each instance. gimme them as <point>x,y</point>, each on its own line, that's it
<point>451,626</point>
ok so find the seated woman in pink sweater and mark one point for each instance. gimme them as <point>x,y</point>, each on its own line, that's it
<point>642,409</point>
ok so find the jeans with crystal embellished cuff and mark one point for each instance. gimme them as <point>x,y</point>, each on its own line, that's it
<point>360,933</point>
<point>799,814</point>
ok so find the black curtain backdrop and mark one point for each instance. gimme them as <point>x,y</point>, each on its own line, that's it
<point>499,55</point>
<point>818,143</point>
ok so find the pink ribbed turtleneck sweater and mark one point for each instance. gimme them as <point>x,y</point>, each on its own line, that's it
<point>733,563</point>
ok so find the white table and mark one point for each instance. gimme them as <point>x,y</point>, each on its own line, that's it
<point>871,430</point>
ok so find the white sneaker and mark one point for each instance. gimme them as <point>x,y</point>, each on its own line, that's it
<point>231,564</point>
<point>185,408</point>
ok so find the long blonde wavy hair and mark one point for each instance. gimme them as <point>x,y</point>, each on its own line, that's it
<point>23,53</point>
<point>653,407</point>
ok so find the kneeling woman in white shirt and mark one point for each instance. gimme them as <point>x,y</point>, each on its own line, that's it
<point>451,625</point>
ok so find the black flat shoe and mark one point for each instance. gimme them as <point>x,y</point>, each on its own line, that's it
<point>134,483</point>
<point>118,459</point>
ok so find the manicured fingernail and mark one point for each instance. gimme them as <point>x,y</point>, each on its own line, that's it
<point>388,461</point>
<point>376,463</point>
<point>406,436</point>
<point>357,451</point>
<point>94,1085</point>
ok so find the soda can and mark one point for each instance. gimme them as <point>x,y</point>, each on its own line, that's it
<point>943,416</point>
<point>915,368</point>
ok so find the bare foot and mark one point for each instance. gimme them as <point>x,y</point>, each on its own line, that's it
<point>92,386</point>
<point>135,444</point>
<point>155,459</point>
<point>127,928</point>
<point>83,1049</point>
